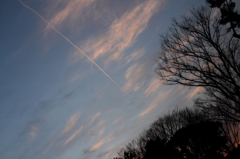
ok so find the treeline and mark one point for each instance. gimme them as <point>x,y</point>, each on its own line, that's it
<point>187,133</point>
<point>201,50</point>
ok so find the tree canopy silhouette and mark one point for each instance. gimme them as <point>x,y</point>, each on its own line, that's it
<point>198,51</point>
<point>186,133</point>
<point>197,141</point>
<point>228,14</point>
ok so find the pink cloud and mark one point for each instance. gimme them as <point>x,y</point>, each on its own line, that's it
<point>71,122</point>
<point>153,86</point>
<point>135,55</point>
<point>100,143</point>
<point>133,76</point>
<point>73,135</point>
<point>108,154</point>
<point>71,13</point>
<point>158,100</point>
<point>94,117</point>
<point>33,131</point>
<point>97,130</point>
<point>194,92</point>
<point>122,33</point>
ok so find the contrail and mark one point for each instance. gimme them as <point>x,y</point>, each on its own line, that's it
<point>74,46</point>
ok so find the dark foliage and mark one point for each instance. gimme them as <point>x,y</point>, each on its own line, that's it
<point>234,154</point>
<point>155,149</point>
<point>201,140</point>
<point>228,14</point>
<point>183,133</point>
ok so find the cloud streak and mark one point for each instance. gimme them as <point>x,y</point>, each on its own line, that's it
<point>72,11</point>
<point>154,85</point>
<point>97,130</point>
<point>73,135</point>
<point>137,54</point>
<point>122,33</point>
<point>100,143</point>
<point>194,92</point>
<point>94,117</point>
<point>133,76</point>
<point>71,122</point>
<point>75,47</point>
<point>108,154</point>
<point>160,98</point>
<point>33,131</point>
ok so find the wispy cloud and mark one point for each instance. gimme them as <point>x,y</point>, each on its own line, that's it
<point>108,154</point>
<point>71,13</point>
<point>135,55</point>
<point>122,33</point>
<point>98,130</point>
<point>74,78</point>
<point>69,41</point>
<point>73,135</point>
<point>153,86</point>
<point>33,131</point>
<point>194,92</point>
<point>100,143</point>
<point>94,117</point>
<point>71,122</point>
<point>133,76</point>
<point>160,98</point>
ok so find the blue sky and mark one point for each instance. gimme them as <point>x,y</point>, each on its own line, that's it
<point>78,77</point>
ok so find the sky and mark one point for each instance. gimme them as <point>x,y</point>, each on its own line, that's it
<point>78,77</point>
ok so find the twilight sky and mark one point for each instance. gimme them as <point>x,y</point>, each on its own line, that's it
<point>78,77</point>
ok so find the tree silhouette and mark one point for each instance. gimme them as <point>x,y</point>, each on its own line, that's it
<point>181,134</point>
<point>230,128</point>
<point>201,140</point>
<point>198,51</point>
<point>155,142</point>
<point>130,151</point>
<point>231,131</point>
<point>234,154</point>
<point>228,14</point>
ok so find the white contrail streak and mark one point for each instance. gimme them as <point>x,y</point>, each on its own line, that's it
<point>73,45</point>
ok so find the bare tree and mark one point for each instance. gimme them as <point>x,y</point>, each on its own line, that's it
<point>130,151</point>
<point>198,51</point>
